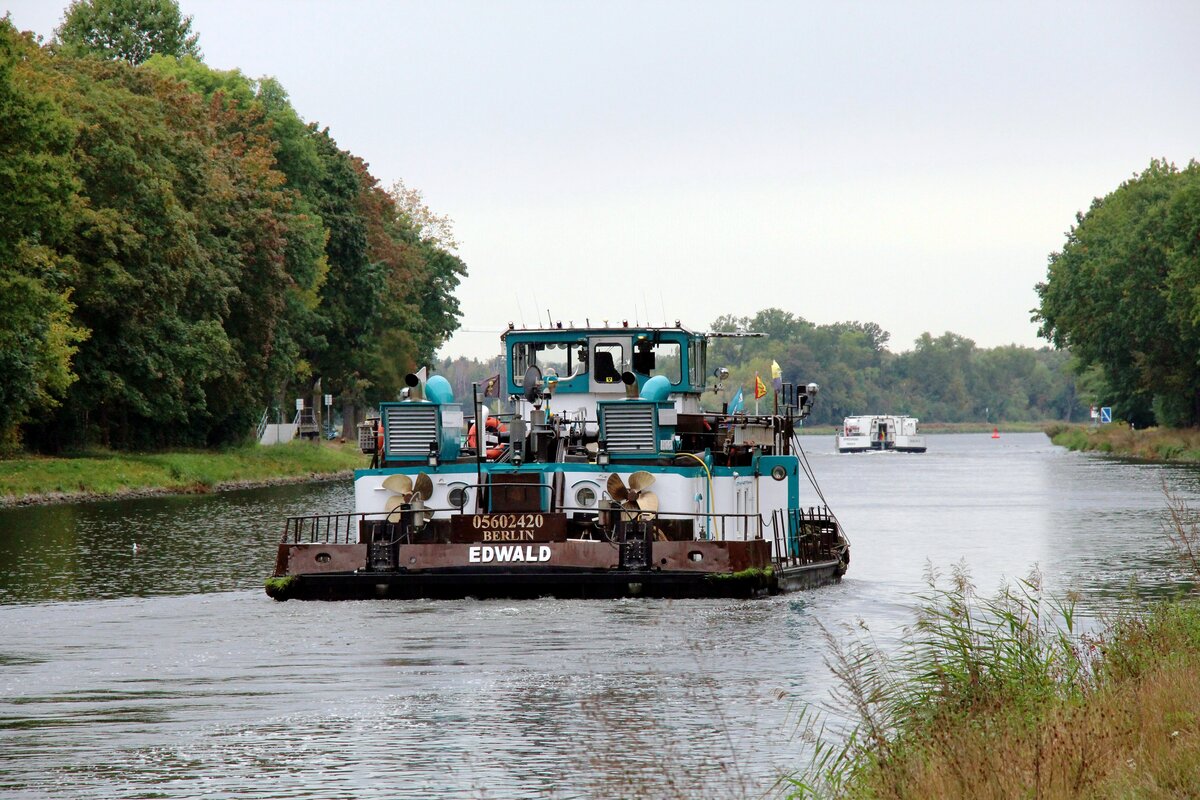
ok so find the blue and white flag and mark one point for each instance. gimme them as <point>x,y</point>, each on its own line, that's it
<point>736,404</point>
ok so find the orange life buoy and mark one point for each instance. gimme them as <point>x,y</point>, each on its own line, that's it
<point>494,429</point>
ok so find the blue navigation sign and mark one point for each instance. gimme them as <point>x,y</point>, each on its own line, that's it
<point>1105,414</point>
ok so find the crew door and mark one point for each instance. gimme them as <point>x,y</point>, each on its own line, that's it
<point>609,359</point>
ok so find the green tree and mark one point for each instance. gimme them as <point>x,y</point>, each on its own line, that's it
<point>382,299</point>
<point>938,371</point>
<point>1122,294</point>
<point>179,253</point>
<point>132,30</point>
<point>37,338</point>
<point>277,344</point>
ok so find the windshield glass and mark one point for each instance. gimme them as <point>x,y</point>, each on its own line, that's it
<point>663,359</point>
<point>696,354</point>
<point>554,358</point>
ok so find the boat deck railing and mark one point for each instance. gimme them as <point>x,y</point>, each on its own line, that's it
<point>800,536</point>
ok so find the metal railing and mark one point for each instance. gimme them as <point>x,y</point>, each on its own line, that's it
<point>262,425</point>
<point>800,536</point>
<point>325,528</point>
<point>806,536</point>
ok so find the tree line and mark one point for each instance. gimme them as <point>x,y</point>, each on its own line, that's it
<point>946,378</point>
<point>179,249</point>
<point>941,379</point>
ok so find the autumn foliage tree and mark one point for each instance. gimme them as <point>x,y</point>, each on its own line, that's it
<point>178,247</point>
<point>38,337</point>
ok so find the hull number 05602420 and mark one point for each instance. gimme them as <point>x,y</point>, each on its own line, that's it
<point>506,521</point>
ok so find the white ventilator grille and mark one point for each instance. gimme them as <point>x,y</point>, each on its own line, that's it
<point>629,428</point>
<point>411,429</point>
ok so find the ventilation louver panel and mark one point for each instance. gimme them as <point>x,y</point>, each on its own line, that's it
<point>629,427</point>
<point>411,428</point>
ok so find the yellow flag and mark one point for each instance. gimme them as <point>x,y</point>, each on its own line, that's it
<point>760,388</point>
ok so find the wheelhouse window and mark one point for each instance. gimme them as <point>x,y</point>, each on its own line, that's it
<point>663,358</point>
<point>696,355</point>
<point>553,358</point>
<point>609,362</point>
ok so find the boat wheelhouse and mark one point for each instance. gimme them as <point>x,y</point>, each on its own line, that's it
<point>880,432</point>
<point>606,478</point>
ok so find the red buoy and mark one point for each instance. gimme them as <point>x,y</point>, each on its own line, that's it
<point>995,433</point>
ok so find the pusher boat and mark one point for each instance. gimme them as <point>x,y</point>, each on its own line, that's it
<point>606,479</point>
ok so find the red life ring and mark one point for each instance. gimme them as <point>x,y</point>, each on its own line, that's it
<point>494,427</point>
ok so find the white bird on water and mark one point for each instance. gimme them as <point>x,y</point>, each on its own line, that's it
<point>135,548</point>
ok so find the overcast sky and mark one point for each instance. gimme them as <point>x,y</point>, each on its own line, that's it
<point>910,164</point>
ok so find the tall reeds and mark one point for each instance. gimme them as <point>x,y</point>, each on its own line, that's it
<point>1005,697</point>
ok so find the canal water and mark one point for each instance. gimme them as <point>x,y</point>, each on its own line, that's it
<point>140,658</point>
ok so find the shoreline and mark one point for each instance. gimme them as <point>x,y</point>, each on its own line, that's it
<point>104,475</point>
<point>140,492</point>
<point>1154,445</point>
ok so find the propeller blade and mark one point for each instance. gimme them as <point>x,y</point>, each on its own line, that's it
<point>398,483</point>
<point>630,510</point>
<point>616,489</point>
<point>648,502</point>
<point>423,487</point>
<point>640,481</point>
<point>393,505</point>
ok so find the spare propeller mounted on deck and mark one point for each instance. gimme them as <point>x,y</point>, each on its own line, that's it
<point>636,499</point>
<point>406,492</point>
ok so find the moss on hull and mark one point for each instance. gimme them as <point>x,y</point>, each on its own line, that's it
<point>761,575</point>
<point>280,588</point>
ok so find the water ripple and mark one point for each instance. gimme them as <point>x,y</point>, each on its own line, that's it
<point>169,674</point>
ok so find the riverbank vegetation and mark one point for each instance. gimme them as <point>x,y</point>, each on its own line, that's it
<point>180,249</point>
<point>1121,294</point>
<point>1006,697</point>
<point>100,474</point>
<point>1150,444</point>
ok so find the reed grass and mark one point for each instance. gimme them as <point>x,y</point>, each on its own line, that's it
<point>1005,697</point>
<point>1148,444</point>
<point>110,474</point>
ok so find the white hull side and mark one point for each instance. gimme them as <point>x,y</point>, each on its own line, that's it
<point>853,444</point>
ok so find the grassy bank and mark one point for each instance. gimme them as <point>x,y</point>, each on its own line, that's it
<point>1151,444</point>
<point>1005,698</point>
<point>103,474</point>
